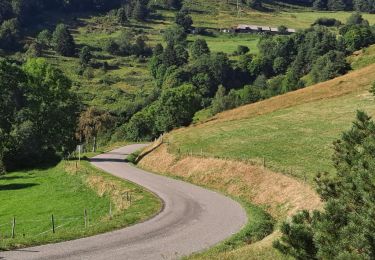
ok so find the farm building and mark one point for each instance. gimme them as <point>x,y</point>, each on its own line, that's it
<point>245,28</point>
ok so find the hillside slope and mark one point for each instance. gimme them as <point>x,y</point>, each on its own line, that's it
<point>243,152</point>
<point>293,133</point>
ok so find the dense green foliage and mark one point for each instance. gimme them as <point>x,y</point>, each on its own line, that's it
<point>340,5</point>
<point>37,113</point>
<point>91,123</point>
<point>128,43</point>
<point>184,20</point>
<point>284,63</point>
<point>175,107</point>
<point>345,229</point>
<point>63,41</point>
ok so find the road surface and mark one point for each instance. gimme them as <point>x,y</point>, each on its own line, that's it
<point>192,219</point>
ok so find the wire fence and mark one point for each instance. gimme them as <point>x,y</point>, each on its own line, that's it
<point>264,162</point>
<point>52,224</point>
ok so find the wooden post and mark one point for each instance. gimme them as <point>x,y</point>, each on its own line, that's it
<point>79,153</point>
<point>85,217</point>
<point>53,224</point>
<point>264,162</point>
<point>110,209</point>
<point>13,227</point>
<point>94,145</point>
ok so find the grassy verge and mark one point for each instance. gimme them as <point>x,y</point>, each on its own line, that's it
<point>65,191</point>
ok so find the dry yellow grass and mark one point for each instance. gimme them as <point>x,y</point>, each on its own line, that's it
<point>281,195</point>
<point>104,186</point>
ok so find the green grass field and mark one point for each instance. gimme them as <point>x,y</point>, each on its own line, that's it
<point>32,196</point>
<point>224,14</point>
<point>293,133</point>
<point>363,57</point>
<point>228,43</point>
<point>296,140</point>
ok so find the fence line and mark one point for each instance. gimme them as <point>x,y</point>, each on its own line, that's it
<point>89,219</point>
<point>260,162</point>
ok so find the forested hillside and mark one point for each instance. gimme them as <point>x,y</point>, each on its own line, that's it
<point>140,69</point>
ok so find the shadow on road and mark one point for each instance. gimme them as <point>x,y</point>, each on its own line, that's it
<point>106,160</point>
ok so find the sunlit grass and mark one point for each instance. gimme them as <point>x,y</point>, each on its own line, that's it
<point>32,196</point>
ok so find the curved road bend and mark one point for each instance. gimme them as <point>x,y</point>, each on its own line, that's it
<point>192,220</point>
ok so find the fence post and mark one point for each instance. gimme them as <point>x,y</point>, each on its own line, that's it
<point>110,209</point>
<point>13,227</point>
<point>264,162</point>
<point>53,224</point>
<point>85,217</point>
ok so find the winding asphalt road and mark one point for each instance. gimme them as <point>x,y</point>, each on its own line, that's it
<point>192,220</point>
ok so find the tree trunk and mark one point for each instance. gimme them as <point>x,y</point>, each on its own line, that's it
<point>2,166</point>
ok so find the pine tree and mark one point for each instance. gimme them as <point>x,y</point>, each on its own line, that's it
<point>199,48</point>
<point>140,11</point>
<point>345,229</point>
<point>85,56</point>
<point>63,41</point>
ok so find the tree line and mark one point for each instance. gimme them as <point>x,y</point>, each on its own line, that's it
<point>345,5</point>
<point>326,5</point>
<point>189,77</point>
<point>38,114</point>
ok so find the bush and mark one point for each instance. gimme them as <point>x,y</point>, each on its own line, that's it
<point>127,44</point>
<point>329,22</point>
<point>241,50</point>
<point>329,66</point>
<point>63,41</point>
<point>132,158</point>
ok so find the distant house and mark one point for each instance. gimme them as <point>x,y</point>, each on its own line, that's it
<point>245,28</point>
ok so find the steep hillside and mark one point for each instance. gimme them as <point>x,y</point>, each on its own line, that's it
<point>293,133</point>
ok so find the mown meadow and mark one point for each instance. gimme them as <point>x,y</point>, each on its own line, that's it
<point>83,200</point>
